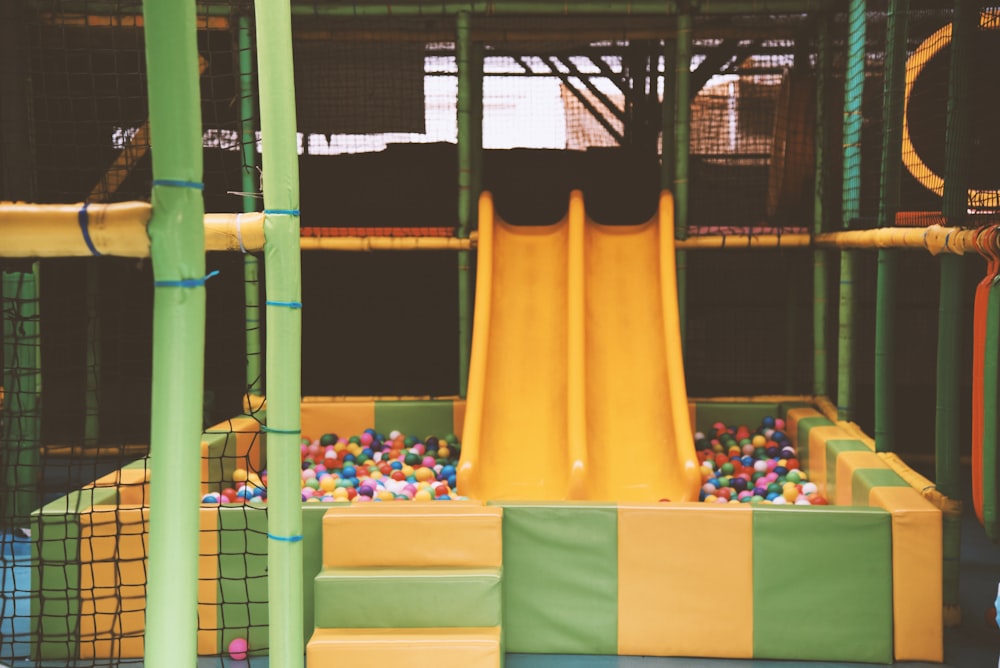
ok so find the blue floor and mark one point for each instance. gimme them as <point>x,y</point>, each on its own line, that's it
<point>973,644</point>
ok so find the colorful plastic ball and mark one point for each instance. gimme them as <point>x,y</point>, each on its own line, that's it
<point>238,649</point>
<point>809,488</point>
<point>212,497</point>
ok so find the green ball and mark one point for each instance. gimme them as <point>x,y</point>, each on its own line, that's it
<point>413,459</point>
<point>328,439</point>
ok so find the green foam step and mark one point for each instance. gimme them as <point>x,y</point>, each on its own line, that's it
<point>408,597</point>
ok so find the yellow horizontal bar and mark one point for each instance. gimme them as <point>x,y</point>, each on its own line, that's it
<point>386,243</point>
<point>744,241</point>
<point>54,230</point>
<point>934,238</point>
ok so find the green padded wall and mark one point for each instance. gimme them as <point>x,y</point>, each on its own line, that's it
<point>560,588</point>
<point>834,447</point>
<point>802,436</point>
<point>732,413</point>
<point>387,598</point>
<point>416,418</point>
<point>822,583</point>
<point>243,575</point>
<point>864,479</point>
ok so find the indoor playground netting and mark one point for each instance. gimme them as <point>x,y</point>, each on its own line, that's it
<point>529,475</point>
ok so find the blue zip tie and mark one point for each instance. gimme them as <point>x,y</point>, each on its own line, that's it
<point>177,183</point>
<point>274,430</point>
<point>285,539</point>
<point>185,283</point>
<point>84,219</point>
<point>288,304</point>
<point>285,212</point>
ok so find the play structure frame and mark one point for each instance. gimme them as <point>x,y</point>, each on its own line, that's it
<point>912,522</point>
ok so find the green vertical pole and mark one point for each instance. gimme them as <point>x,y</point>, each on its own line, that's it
<point>885,300</point>
<point>947,431</point>
<point>854,83</point>
<point>251,270</point>
<point>466,198</point>
<point>821,257</point>
<point>177,248</point>
<point>22,382</point>
<point>283,363</point>
<point>682,147</point>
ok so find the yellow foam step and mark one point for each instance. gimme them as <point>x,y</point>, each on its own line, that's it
<point>434,533</point>
<point>377,648</point>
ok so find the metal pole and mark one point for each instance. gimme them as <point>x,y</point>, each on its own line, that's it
<point>682,147</point>
<point>821,257</point>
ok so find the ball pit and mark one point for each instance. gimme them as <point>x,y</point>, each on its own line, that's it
<point>362,468</point>
<point>740,466</point>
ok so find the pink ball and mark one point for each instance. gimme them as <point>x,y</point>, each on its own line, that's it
<point>429,462</point>
<point>779,424</point>
<point>366,439</point>
<point>238,649</point>
<point>419,448</point>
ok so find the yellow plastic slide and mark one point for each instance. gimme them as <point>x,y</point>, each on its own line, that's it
<point>576,383</point>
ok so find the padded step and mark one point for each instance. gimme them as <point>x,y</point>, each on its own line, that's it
<point>438,533</point>
<point>405,598</point>
<point>377,648</point>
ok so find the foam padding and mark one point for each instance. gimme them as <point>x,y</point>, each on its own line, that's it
<point>835,447</point>
<point>822,584</point>
<point>209,638</point>
<point>55,574</point>
<point>560,585</point>
<point>455,533</point>
<point>458,417</point>
<point>814,452</point>
<point>312,558</point>
<point>243,574</point>
<point>794,419</point>
<point>863,481</point>
<point>229,445</point>
<point>416,418</point>
<point>344,418</point>
<point>917,563</point>
<point>113,548</point>
<point>663,606</point>
<point>371,648</point>
<point>426,597</point>
<point>732,413</point>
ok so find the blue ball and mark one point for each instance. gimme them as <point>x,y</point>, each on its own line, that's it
<point>348,472</point>
<point>767,422</point>
<point>396,465</point>
<point>349,458</point>
<point>451,481</point>
<point>772,496</point>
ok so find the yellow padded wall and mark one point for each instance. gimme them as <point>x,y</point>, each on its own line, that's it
<point>917,562</point>
<point>437,648</point>
<point>664,602</point>
<point>345,418</point>
<point>816,458</point>
<point>847,464</point>
<point>113,545</point>
<point>209,641</point>
<point>453,533</point>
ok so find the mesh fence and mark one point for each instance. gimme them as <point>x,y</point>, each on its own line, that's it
<point>566,103</point>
